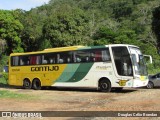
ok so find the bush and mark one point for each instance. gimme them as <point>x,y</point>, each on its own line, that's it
<point>5,77</point>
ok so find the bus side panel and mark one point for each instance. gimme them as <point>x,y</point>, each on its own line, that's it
<point>15,77</point>
<point>12,79</point>
<point>93,73</point>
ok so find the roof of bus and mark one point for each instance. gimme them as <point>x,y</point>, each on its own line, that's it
<point>80,47</point>
<point>122,45</point>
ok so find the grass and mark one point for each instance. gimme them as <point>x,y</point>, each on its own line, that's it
<point>10,94</point>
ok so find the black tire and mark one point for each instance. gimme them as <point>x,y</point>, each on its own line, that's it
<point>27,84</point>
<point>150,85</point>
<point>104,85</point>
<point>36,84</point>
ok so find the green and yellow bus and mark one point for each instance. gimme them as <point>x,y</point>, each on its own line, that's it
<point>100,67</point>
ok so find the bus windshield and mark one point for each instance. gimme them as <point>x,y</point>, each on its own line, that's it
<point>139,64</point>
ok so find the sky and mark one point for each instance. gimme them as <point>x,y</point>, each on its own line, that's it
<point>21,4</point>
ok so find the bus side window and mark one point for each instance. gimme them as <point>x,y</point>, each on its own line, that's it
<point>98,56</point>
<point>51,60</point>
<point>35,60</point>
<point>78,59</point>
<point>106,55</point>
<point>21,62</point>
<point>44,59</point>
<point>24,60</point>
<point>68,60</point>
<point>44,62</point>
<point>59,58</point>
<point>15,61</point>
<point>92,57</point>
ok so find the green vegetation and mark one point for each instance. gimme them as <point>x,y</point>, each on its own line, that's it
<point>3,81</point>
<point>9,94</point>
<point>82,22</point>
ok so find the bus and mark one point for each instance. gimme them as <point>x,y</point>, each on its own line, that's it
<point>104,68</point>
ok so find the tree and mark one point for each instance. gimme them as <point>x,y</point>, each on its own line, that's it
<point>66,26</point>
<point>104,35</point>
<point>10,29</point>
<point>156,25</point>
<point>33,22</point>
<point>122,8</point>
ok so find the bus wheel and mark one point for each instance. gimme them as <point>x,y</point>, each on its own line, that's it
<point>36,84</point>
<point>27,84</point>
<point>105,85</point>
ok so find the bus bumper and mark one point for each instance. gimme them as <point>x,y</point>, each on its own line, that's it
<point>140,83</point>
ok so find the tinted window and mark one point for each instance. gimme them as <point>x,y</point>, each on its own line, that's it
<point>96,55</point>
<point>15,61</point>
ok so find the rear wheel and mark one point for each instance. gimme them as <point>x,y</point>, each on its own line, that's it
<point>105,85</point>
<point>150,85</point>
<point>27,84</point>
<point>36,84</point>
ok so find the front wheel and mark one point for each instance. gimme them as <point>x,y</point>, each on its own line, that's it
<point>150,85</point>
<point>36,84</point>
<point>105,85</point>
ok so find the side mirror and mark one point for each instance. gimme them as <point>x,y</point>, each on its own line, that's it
<point>148,58</point>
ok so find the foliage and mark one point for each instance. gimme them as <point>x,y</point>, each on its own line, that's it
<point>3,81</point>
<point>10,29</point>
<point>5,76</point>
<point>153,69</point>
<point>156,24</point>
<point>3,61</point>
<point>66,26</point>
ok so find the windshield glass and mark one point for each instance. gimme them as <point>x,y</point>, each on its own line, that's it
<point>139,64</point>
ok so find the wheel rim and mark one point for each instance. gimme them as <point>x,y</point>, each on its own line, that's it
<point>27,84</point>
<point>104,86</point>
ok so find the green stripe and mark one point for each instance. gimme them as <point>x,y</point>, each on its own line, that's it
<point>74,72</point>
<point>68,72</point>
<point>81,72</point>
